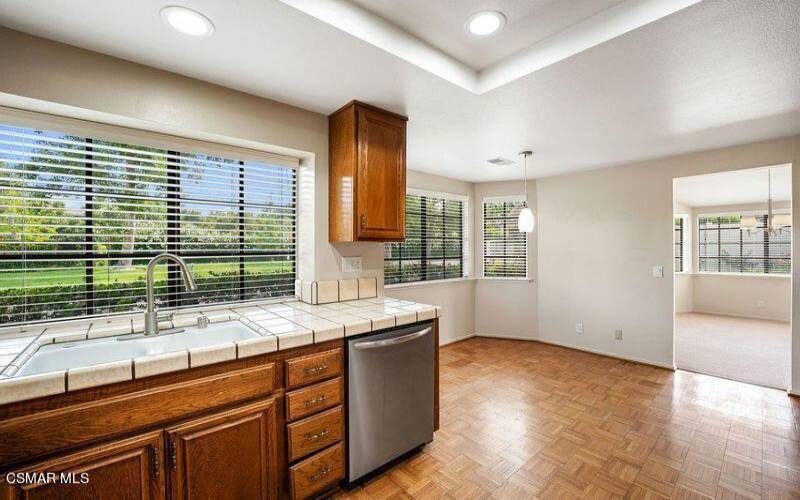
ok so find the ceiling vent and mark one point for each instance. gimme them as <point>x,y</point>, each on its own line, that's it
<point>500,161</point>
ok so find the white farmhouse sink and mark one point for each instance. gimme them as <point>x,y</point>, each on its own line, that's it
<point>54,357</point>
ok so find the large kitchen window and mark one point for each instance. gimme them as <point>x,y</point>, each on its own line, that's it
<point>435,246</point>
<point>80,217</point>
<point>505,248</point>
<point>726,247</point>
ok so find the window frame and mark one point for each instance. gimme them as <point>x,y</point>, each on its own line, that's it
<point>172,145</point>
<point>686,244</point>
<point>765,257</point>
<point>465,250</point>
<point>501,199</point>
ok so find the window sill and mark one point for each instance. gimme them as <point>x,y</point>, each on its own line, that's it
<point>745,275</point>
<point>426,283</point>
<point>495,278</point>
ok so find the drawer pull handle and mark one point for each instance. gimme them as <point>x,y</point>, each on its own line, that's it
<point>316,400</point>
<point>314,370</point>
<point>324,471</point>
<point>317,436</point>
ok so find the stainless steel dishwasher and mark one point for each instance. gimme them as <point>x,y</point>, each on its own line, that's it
<point>390,379</point>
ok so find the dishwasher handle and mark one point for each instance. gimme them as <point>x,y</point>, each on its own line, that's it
<point>375,344</point>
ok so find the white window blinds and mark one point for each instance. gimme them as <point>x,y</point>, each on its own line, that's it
<point>724,247</point>
<point>80,218</point>
<point>505,249</point>
<point>434,247</point>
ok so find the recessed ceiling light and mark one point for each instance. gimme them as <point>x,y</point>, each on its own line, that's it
<point>187,21</point>
<point>485,23</point>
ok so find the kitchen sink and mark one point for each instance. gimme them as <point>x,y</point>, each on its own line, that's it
<point>62,356</point>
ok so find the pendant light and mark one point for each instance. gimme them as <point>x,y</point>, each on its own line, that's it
<point>775,222</point>
<point>525,223</point>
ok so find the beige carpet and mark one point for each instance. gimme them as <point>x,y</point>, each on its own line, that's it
<point>750,350</point>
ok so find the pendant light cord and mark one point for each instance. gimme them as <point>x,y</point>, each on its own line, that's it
<point>525,155</point>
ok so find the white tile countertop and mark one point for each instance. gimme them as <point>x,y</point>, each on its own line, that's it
<point>280,325</point>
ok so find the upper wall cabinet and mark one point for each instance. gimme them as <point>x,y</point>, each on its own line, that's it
<point>367,184</point>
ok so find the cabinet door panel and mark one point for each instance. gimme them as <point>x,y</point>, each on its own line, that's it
<point>381,176</point>
<point>129,469</point>
<point>227,455</point>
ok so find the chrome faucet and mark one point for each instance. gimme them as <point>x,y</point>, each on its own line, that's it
<point>151,317</point>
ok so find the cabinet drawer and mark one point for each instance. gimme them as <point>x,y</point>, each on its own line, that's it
<point>313,368</point>
<point>314,433</point>
<point>316,473</point>
<point>314,398</point>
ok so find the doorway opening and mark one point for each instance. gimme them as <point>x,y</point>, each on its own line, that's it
<point>732,244</point>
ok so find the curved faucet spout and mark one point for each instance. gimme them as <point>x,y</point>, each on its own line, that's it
<point>150,317</point>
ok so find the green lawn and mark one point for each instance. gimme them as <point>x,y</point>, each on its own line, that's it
<point>102,274</point>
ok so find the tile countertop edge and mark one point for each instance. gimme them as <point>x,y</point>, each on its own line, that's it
<point>353,317</point>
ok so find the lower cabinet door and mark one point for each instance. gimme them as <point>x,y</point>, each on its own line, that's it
<point>226,455</point>
<point>128,469</point>
<point>317,472</point>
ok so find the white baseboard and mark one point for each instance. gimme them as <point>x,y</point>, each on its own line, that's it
<point>443,343</point>
<point>733,315</point>
<point>611,354</point>
<point>505,336</point>
<point>579,348</point>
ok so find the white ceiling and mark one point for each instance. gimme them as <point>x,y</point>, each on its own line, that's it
<point>713,74</point>
<point>736,187</point>
<point>441,23</point>
<point>565,35</point>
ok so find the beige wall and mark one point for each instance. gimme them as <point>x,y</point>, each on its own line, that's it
<point>456,297</point>
<point>763,297</point>
<point>506,308</point>
<point>684,301</point>
<point>600,234</point>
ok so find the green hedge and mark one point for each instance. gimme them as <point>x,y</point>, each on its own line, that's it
<point>61,301</point>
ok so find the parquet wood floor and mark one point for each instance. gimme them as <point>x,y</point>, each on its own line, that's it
<point>530,420</point>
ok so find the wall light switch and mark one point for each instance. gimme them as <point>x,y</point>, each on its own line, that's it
<point>579,328</point>
<point>658,271</point>
<point>351,264</point>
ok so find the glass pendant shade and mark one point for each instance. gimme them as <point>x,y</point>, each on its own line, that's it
<point>525,223</point>
<point>748,222</point>
<point>781,220</point>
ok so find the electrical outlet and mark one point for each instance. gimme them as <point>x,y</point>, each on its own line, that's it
<point>658,271</point>
<point>761,304</point>
<point>617,334</point>
<point>351,264</point>
<point>579,328</point>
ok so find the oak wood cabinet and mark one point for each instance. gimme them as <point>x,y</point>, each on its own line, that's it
<point>128,469</point>
<point>228,455</point>
<point>367,180</point>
